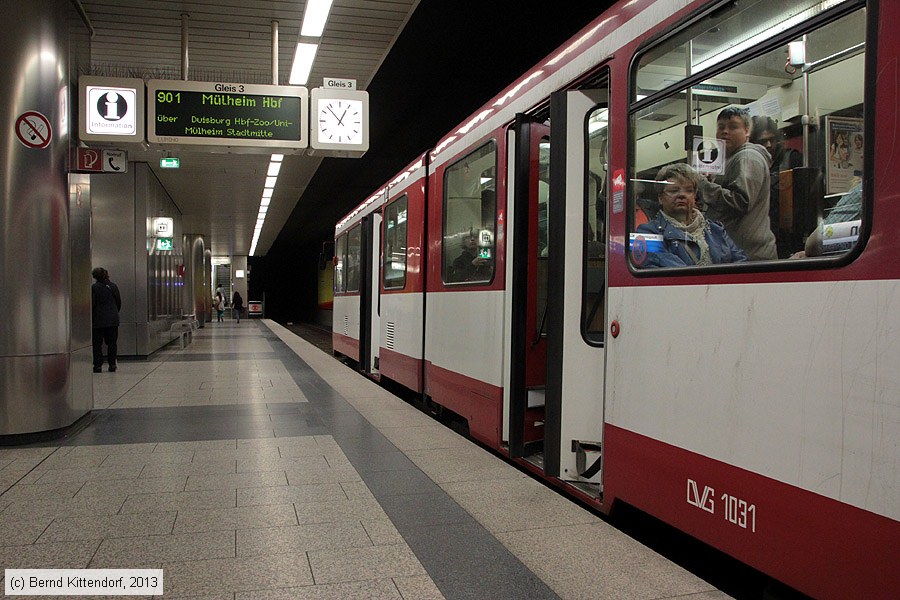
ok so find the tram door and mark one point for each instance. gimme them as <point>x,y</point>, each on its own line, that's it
<point>529,143</point>
<point>370,294</point>
<point>577,284</point>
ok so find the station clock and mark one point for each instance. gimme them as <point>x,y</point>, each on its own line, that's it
<point>339,122</point>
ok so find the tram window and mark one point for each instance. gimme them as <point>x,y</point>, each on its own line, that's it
<point>774,200</point>
<point>470,217</point>
<point>340,257</point>
<point>354,248</point>
<point>543,225</point>
<point>395,228</point>
<point>593,312</point>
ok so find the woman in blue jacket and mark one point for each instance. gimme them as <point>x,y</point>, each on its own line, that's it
<point>680,236</point>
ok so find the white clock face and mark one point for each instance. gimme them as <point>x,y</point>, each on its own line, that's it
<point>340,121</point>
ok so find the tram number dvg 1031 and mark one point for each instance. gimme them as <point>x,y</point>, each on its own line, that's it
<point>735,511</point>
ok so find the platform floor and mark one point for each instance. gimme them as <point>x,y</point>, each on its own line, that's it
<point>252,465</point>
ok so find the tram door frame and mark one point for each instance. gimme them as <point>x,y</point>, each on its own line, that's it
<point>526,369</point>
<point>576,367</point>
<point>370,293</point>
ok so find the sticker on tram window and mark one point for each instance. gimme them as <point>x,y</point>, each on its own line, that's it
<point>642,244</point>
<point>840,237</point>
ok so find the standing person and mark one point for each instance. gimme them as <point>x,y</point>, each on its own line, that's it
<point>220,307</point>
<point>105,305</point>
<point>740,197</point>
<point>765,133</point>
<point>237,305</point>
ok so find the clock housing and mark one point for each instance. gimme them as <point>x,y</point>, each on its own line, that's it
<point>339,122</point>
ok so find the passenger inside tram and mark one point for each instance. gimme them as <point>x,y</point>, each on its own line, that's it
<point>806,94</point>
<point>680,235</point>
<point>472,263</point>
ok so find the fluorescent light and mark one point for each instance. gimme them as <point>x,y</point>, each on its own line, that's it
<point>277,157</point>
<point>314,17</point>
<point>274,168</point>
<point>264,202</point>
<point>263,210</point>
<point>270,182</point>
<point>267,192</point>
<point>303,60</point>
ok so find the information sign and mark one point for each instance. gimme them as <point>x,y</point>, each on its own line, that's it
<point>112,109</point>
<point>170,163</point>
<point>227,114</point>
<point>165,244</point>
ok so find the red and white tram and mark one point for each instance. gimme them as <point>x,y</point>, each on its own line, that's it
<point>755,406</point>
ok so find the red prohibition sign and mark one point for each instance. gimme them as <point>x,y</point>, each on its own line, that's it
<point>33,130</point>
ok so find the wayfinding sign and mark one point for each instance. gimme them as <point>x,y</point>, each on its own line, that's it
<point>227,114</point>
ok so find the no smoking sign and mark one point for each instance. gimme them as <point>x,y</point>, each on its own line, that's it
<point>33,130</point>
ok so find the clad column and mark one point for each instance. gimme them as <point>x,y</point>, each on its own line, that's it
<point>197,295</point>
<point>42,218</point>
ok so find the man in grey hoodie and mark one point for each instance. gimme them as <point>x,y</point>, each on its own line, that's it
<point>740,197</point>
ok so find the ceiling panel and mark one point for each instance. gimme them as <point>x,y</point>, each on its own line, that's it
<point>231,41</point>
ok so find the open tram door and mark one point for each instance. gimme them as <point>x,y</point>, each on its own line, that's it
<point>577,285</point>
<point>528,167</point>
<point>370,294</point>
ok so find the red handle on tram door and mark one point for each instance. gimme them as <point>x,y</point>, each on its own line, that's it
<point>614,329</point>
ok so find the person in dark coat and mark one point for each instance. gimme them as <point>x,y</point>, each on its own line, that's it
<point>105,305</point>
<point>237,306</point>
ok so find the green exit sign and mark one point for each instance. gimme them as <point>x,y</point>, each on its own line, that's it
<point>165,244</point>
<point>170,163</point>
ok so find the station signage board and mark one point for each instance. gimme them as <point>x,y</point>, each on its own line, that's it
<point>111,109</point>
<point>227,114</point>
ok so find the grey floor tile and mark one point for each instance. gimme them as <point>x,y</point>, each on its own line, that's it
<point>219,519</point>
<point>40,491</point>
<point>465,558</point>
<point>630,570</point>
<point>180,501</point>
<point>515,504</point>
<point>399,483</point>
<point>324,474</point>
<point>424,509</point>
<point>90,474</point>
<point>296,494</point>
<point>237,480</point>
<point>56,555</point>
<point>154,458</point>
<point>133,486</point>
<point>418,588</point>
<point>135,552</point>
<point>301,538</point>
<point>16,531</point>
<point>95,528</point>
<point>328,512</point>
<point>194,467</point>
<point>356,564</point>
<point>85,506</point>
<point>206,577</point>
<point>382,532</point>
<point>378,589</point>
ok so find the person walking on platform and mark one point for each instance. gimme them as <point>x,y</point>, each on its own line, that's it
<point>237,306</point>
<point>105,305</point>
<point>219,303</point>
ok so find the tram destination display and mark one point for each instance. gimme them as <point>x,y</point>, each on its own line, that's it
<point>227,114</point>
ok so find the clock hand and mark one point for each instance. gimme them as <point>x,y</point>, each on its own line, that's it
<point>334,115</point>
<point>344,114</point>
